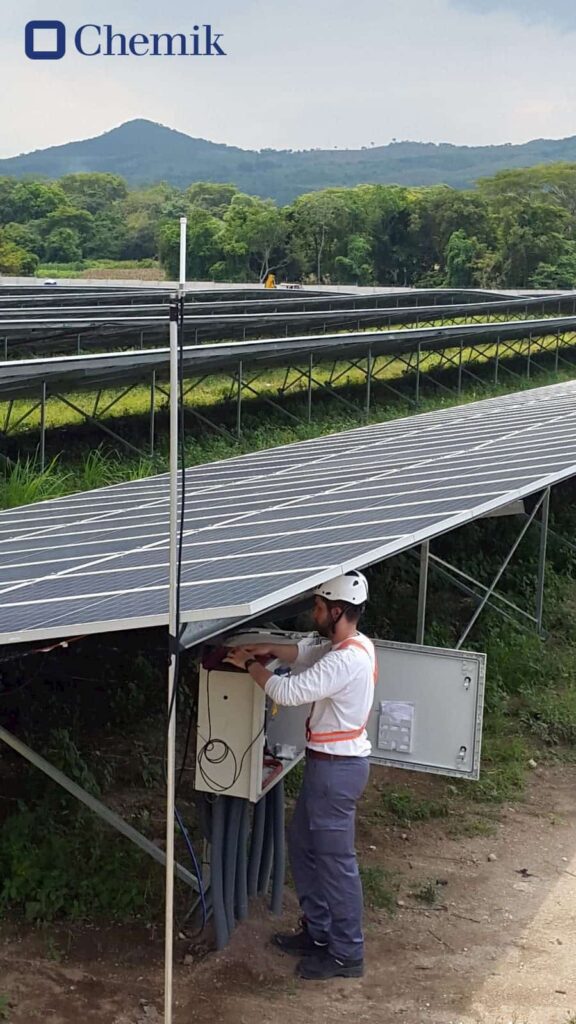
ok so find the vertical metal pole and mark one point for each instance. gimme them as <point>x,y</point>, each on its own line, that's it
<point>529,355</point>
<point>542,560</point>
<point>422,591</point>
<point>557,353</point>
<point>368,383</point>
<point>239,402</point>
<point>417,396</point>
<point>460,370</point>
<point>497,360</point>
<point>152,412</point>
<point>43,427</point>
<point>310,365</point>
<point>78,344</point>
<point>173,633</point>
<point>175,307</point>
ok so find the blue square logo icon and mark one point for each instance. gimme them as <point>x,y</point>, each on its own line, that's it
<point>45,40</point>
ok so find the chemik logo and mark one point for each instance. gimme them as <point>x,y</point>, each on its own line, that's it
<point>46,40</point>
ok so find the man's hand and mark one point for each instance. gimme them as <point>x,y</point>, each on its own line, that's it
<point>238,656</point>
<point>286,653</point>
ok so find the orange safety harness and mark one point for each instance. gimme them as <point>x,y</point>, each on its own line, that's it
<point>341,736</point>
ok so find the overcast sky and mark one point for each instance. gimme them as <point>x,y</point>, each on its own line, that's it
<point>304,73</point>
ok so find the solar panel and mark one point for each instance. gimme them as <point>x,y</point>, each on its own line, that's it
<point>266,527</point>
<point>24,377</point>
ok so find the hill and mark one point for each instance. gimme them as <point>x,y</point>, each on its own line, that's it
<point>144,152</point>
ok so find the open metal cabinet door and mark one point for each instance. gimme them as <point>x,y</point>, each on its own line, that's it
<point>427,715</point>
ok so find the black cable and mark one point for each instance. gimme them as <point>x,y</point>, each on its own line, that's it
<point>215,751</point>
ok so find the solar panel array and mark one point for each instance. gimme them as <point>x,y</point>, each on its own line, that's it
<point>21,378</point>
<point>51,330</point>
<point>265,527</point>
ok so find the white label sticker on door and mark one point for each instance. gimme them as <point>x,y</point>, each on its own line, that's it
<point>396,726</point>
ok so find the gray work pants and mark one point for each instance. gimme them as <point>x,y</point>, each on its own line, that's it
<point>322,854</point>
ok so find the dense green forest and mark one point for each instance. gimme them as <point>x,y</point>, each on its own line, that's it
<point>516,229</point>
<point>143,153</point>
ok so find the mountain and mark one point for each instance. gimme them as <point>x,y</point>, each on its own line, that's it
<point>144,152</point>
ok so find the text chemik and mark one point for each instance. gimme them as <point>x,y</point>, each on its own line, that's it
<point>104,41</point>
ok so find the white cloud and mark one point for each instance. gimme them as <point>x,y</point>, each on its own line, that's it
<point>301,74</point>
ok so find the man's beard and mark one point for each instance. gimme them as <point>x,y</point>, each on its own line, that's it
<point>324,629</point>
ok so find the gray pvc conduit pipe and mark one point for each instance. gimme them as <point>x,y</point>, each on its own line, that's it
<point>216,875</point>
<point>230,857</point>
<point>242,863</point>
<point>256,843</point>
<point>279,865</point>
<point>268,847</point>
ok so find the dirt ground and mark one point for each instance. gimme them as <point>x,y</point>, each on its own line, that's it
<point>498,947</point>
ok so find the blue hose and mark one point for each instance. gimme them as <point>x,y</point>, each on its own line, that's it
<point>197,868</point>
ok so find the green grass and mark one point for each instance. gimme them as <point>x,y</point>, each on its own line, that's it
<point>81,268</point>
<point>405,807</point>
<point>469,828</point>
<point>428,892</point>
<point>4,1008</point>
<point>380,888</point>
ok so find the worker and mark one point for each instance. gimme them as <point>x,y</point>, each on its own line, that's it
<point>270,281</point>
<point>335,672</point>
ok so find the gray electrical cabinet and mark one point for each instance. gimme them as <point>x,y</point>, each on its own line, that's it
<point>428,709</point>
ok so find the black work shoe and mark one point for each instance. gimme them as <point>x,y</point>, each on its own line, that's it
<point>298,943</point>
<point>322,966</point>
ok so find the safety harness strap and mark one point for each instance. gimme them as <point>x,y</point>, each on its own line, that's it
<point>340,736</point>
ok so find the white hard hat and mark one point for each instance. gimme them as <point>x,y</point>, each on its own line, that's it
<point>351,587</point>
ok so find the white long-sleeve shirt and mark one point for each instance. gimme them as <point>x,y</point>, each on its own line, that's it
<point>339,682</point>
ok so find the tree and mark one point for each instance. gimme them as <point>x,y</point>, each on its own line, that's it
<point>254,237</point>
<point>204,233</point>
<point>25,236</point>
<point>210,196</point>
<point>561,274</point>
<point>63,246</point>
<point>14,260</point>
<point>462,256</point>
<point>94,192</point>
<point>144,213</point>
<point>320,220</point>
<point>357,266</point>
<point>23,201</point>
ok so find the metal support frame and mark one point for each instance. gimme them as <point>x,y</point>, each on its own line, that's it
<point>422,591</point>
<point>152,412</point>
<point>491,589</point>
<point>488,596</point>
<point>198,415</point>
<point>239,402</point>
<point>43,428</point>
<point>460,356</point>
<point>542,560</point>
<point>102,426</point>
<point>98,808</point>
<point>461,579</point>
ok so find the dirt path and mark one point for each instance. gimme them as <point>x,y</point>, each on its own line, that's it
<point>498,948</point>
